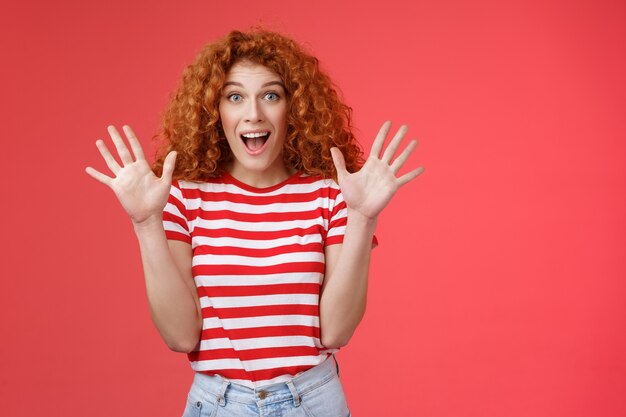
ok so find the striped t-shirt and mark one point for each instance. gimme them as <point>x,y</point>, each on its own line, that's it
<point>258,264</point>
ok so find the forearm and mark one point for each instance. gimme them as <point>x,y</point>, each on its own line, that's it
<point>344,297</point>
<point>173,306</point>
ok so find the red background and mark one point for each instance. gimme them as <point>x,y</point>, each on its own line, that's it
<point>498,288</point>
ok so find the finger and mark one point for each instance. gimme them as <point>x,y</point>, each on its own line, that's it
<point>377,146</point>
<point>339,161</point>
<point>99,176</point>
<point>122,150</point>
<point>410,176</point>
<point>395,142</point>
<point>134,143</point>
<point>168,167</point>
<point>401,159</point>
<point>108,158</point>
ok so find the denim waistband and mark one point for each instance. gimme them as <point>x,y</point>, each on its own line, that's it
<point>226,390</point>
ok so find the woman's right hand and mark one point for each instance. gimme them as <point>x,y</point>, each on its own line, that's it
<point>142,194</point>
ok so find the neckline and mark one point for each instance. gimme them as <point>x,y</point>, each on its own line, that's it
<point>232,180</point>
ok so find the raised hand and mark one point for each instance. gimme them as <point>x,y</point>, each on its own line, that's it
<point>142,194</point>
<point>369,190</point>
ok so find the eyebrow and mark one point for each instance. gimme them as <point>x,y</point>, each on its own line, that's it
<point>263,86</point>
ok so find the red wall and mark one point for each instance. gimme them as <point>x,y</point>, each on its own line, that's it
<point>498,287</point>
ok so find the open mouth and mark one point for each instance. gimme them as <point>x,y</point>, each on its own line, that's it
<point>255,141</point>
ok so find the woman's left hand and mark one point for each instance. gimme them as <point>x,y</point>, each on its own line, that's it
<point>369,190</point>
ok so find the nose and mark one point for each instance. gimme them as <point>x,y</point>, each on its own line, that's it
<point>254,112</point>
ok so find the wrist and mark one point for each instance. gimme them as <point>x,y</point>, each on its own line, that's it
<point>150,223</point>
<point>357,218</point>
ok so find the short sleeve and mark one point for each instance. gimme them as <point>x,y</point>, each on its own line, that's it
<point>338,221</point>
<point>175,215</point>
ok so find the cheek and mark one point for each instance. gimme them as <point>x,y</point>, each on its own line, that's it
<point>224,120</point>
<point>281,118</point>
<point>227,117</point>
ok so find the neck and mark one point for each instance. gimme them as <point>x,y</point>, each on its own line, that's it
<point>261,179</point>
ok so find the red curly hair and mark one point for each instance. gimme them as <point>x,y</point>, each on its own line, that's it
<point>317,119</point>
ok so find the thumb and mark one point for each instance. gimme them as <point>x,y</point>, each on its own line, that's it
<point>339,161</point>
<point>168,166</point>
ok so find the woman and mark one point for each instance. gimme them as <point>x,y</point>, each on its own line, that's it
<point>255,259</point>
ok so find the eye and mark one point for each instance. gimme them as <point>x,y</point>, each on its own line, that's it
<point>235,98</point>
<point>272,96</point>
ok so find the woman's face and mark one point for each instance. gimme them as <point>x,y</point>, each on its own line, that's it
<point>253,112</point>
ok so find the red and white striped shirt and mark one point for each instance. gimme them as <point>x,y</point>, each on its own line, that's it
<point>258,264</point>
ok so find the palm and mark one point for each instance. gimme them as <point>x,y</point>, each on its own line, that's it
<point>369,190</point>
<point>141,193</point>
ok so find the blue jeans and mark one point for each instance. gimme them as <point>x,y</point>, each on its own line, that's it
<point>317,392</point>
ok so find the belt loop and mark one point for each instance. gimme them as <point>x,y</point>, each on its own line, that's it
<point>336,363</point>
<point>221,399</point>
<point>294,393</point>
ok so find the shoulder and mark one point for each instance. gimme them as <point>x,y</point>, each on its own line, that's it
<point>191,193</point>
<point>204,185</point>
<point>317,181</point>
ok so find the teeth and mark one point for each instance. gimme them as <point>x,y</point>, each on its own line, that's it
<point>255,135</point>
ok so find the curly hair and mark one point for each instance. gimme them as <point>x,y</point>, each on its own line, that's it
<point>317,119</point>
